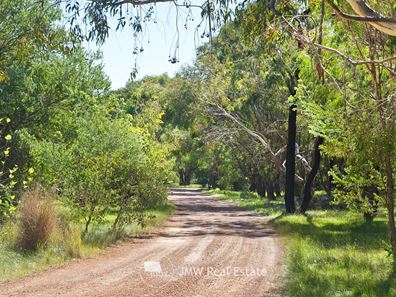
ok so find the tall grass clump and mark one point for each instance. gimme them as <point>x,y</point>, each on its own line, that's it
<point>37,218</point>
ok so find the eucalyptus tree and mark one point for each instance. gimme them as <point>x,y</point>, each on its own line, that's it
<point>24,26</point>
<point>247,88</point>
<point>354,112</point>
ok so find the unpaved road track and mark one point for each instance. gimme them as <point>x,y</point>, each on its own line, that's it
<point>207,248</point>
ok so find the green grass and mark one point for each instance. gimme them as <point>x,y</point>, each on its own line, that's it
<point>329,253</point>
<point>251,201</point>
<point>15,263</point>
<point>101,235</point>
<point>190,186</point>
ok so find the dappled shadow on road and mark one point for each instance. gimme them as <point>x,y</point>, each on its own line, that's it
<point>199,214</point>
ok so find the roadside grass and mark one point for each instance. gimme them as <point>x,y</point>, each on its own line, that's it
<point>101,235</point>
<point>250,201</point>
<point>190,186</point>
<point>329,252</point>
<point>16,263</point>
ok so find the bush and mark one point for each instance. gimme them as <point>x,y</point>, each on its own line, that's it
<point>108,167</point>
<point>38,219</point>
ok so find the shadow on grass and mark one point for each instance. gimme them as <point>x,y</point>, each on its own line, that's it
<point>364,236</point>
<point>336,273</point>
<point>337,254</point>
<point>251,201</point>
<point>330,253</point>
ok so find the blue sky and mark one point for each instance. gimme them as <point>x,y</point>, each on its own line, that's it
<point>118,49</point>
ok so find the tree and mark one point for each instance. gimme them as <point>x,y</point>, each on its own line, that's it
<point>357,122</point>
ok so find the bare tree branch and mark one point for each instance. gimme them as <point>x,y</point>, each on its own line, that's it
<point>263,141</point>
<point>305,40</point>
<point>365,14</point>
<point>372,17</point>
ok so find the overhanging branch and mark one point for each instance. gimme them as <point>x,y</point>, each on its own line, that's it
<point>341,54</point>
<point>141,2</point>
<point>368,15</point>
<point>367,19</point>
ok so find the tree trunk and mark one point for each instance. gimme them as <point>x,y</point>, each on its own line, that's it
<point>184,177</point>
<point>87,223</point>
<point>253,183</point>
<point>270,190</point>
<point>390,205</point>
<point>261,189</point>
<point>117,220</point>
<point>89,219</point>
<point>291,159</point>
<point>277,187</point>
<point>386,154</point>
<point>330,186</point>
<point>369,193</point>
<point>311,177</point>
<point>187,177</point>
<point>181,177</point>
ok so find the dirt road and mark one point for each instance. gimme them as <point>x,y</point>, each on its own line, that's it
<point>207,248</point>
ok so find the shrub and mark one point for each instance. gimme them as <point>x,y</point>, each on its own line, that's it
<point>38,218</point>
<point>110,166</point>
<point>7,171</point>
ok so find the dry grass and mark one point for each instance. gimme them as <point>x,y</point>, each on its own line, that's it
<point>38,219</point>
<point>64,243</point>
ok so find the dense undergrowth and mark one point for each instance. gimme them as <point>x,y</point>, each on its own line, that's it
<point>330,253</point>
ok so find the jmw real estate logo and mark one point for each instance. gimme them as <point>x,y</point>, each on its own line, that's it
<point>154,269</point>
<point>228,271</point>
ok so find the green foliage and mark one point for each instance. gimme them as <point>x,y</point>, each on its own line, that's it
<point>79,139</point>
<point>25,26</point>
<point>109,166</point>
<point>99,155</point>
<point>7,173</point>
<point>110,156</point>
